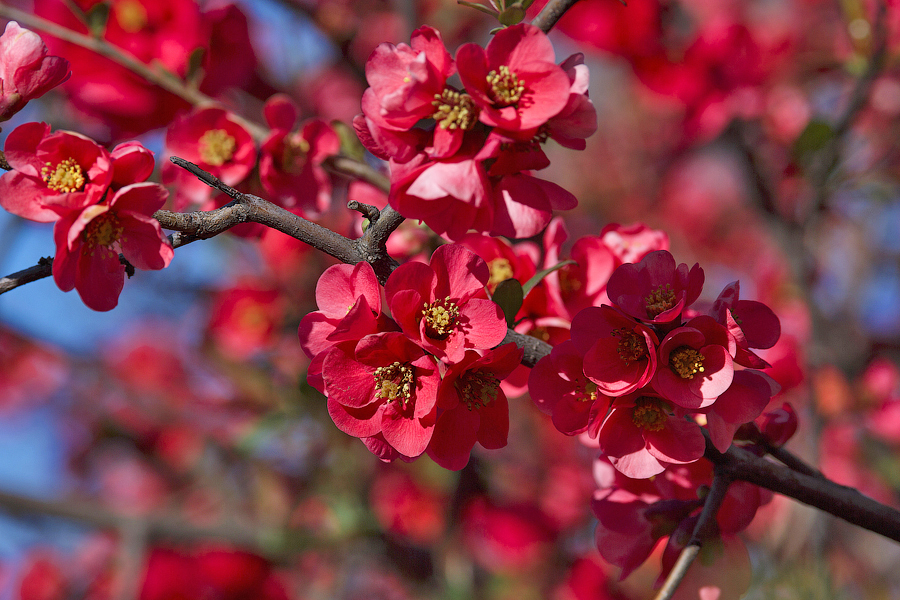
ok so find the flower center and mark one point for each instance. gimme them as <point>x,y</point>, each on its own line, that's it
<point>103,230</point>
<point>217,147</point>
<point>131,15</point>
<point>660,300</point>
<point>293,159</point>
<point>505,87</point>
<point>440,318</point>
<point>454,110</point>
<point>686,362</point>
<point>586,391</point>
<point>632,346</point>
<point>395,382</point>
<point>65,177</point>
<point>501,270</point>
<point>477,388</point>
<point>649,413</point>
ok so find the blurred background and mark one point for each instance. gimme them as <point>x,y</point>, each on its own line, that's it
<point>171,448</point>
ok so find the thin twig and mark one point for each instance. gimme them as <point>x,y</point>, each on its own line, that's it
<point>704,530</point>
<point>551,13</point>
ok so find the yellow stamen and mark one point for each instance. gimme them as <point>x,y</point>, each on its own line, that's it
<point>395,382</point>
<point>649,413</point>
<point>217,147</point>
<point>440,318</point>
<point>505,87</point>
<point>454,110</point>
<point>686,362</point>
<point>66,177</point>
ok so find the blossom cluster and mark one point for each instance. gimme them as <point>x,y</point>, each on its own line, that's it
<point>460,160</point>
<point>423,380</point>
<point>642,374</point>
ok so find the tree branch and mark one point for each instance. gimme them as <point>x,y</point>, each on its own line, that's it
<point>705,529</point>
<point>551,13</point>
<point>841,501</point>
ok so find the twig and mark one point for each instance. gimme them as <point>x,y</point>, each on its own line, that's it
<point>43,269</point>
<point>153,74</point>
<point>551,13</point>
<point>703,530</point>
<point>157,526</point>
<point>841,501</point>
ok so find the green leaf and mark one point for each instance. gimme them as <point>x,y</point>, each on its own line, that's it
<point>512,15</point>
<point>509,296</point>
<point>816,135</point>
<point>539,276</point>
<point>96,19</point>
<point>350,144</point>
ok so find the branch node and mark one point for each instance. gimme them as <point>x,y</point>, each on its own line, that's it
<point>367,210</point>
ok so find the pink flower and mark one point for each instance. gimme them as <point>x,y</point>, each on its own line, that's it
<point>752,323</point>
<point>26,72</point>
<point>131,163</point>
<point>514,81</point>
<point>642,434</point>
<point>386,386</point>
<point>215,142</point>
<point>88,243</point>
<point>743,401</point>
<point>655,290</point>
<point>406,79</point>
<point>559,388</point>
<point>473,408</point>
<point>619,353</point>
<point>290,163</point>
<point>695,363</point>
<point>436,304</point>
<point>53,173</point>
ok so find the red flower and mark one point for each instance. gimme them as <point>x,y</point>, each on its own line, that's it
<point>514,81</point>
<point>655,290</point>
<point>752,323</point>
<point>26,72</point>
<point>559,388</point>
<point>215,142</point>
<point>406,80</point>
<point>437,306</point>
<point>743,401</point>
<point>473,407</point>
<point>53,173</point>
<point>695,363</point>
<point>290,163</point>
<point>88,243</point>
<point>619,353</point>
<point>386,386</point>
<point>642,434</point>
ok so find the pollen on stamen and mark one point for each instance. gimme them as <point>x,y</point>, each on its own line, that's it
<point>649,413</point>
<point>440,318</point>
<point>217,147</point>
<point>501,270</point>
<point>505,87</point>
<point>686,362</point>
<point>66,177</point>
<point>454,110</point>
<point>395,382</point>
<point>661,299</point>
<point>477,389</point>
<point>632,347</point>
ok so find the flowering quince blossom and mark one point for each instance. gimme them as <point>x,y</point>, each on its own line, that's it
<point>695,363</point>
<point>349,301</point>
<point>643,432</point>
<point>472,407</point>
<point>514,81</point>
<point>619,354</point>
<point>752,323</point>
<point>437,305</point>
<point>560,389</point>
<point>386,386</point>
<point>468,172</point>
<point>743,401</point>
<point>88,243</point>
<point>52,173</point>
<point>290,162</point>
<point>26,72</point>
<point>655,290</point>
<point>214,141</point>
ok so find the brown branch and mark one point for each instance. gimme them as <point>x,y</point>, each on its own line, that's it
<point>157,526</point>
<point>705,529</point>
<point>551,13</point>
<point>154,74</point>
<point>841,501</point>
<point>43,269</point>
